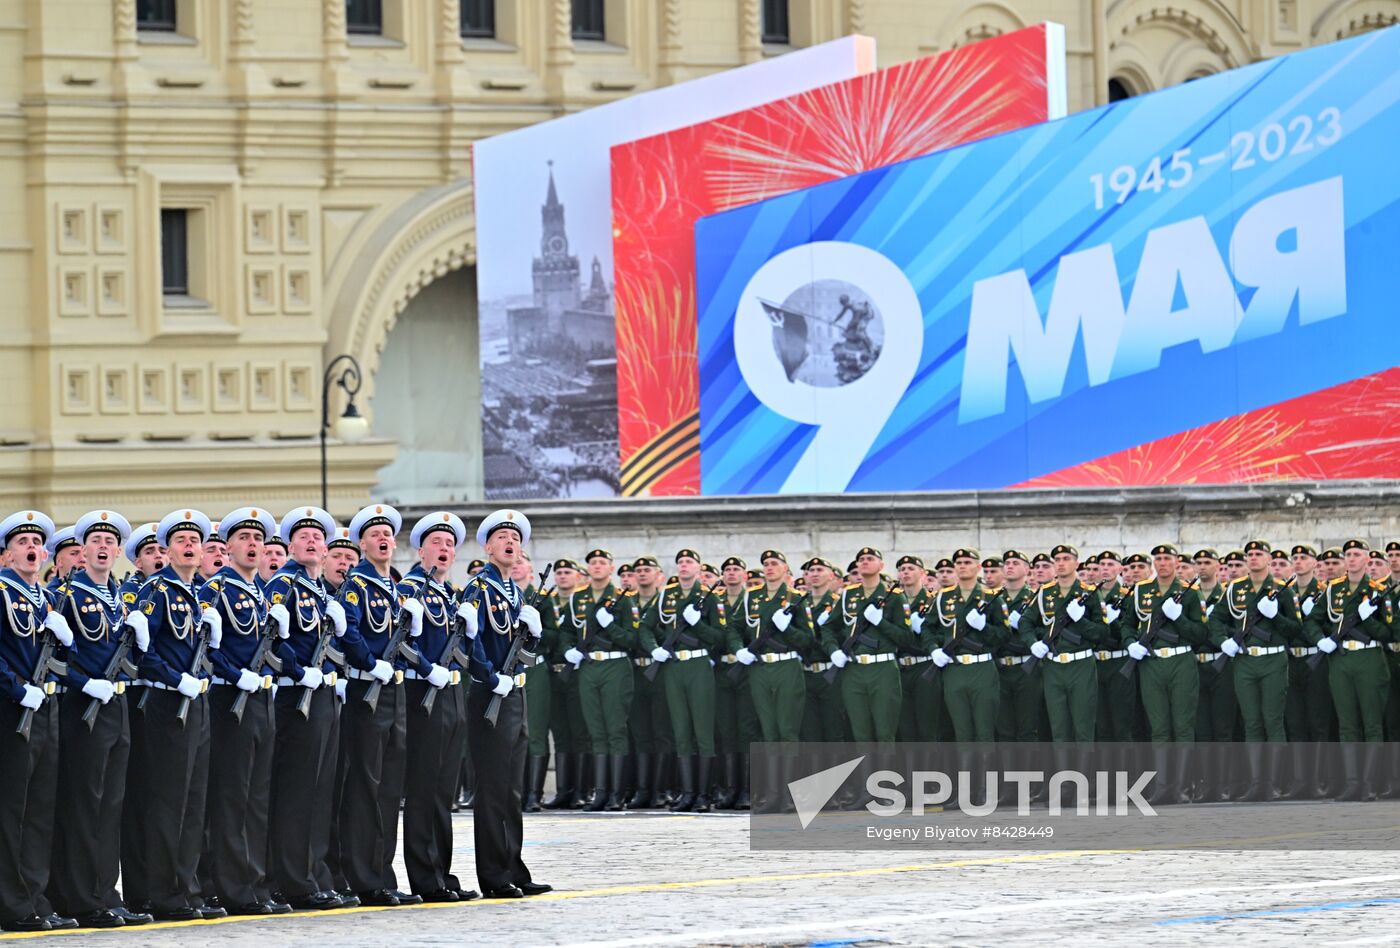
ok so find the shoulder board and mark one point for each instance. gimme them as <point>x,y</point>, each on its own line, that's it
<point>359,581</point>
<point>628,592</point>
<point>850,586</point>
<point>1146,582</point>
<point>754,588</point>
<point>992,591</point>
<point>1238,579</point>
<point>1045,586</point>
<point>412,580</point>
<point>213,584</point>
<point>673,581</point>
<point>1089,586</point>
<point>1339,579</point>
<point>946,589</point>
<point>160,585</point>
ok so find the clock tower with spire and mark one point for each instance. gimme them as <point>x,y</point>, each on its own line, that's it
<point>556,272</point>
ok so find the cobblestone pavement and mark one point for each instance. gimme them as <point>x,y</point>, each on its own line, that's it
<point>659,879</point>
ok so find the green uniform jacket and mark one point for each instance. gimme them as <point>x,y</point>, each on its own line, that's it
<point>1145,604</point>
<point>1046,615</point>
<point>582,631</point>
<point>1241,608</point>
<point>1311,612</point>
<point>759,608</point>
<point>826,605</point>
<point>889,635</point>
<point>669,609</point>
<point>920,606</point>
<point>1116,595</point>
<point>1217,614</point>
<point>1344,601</point>
<point>948,620</point>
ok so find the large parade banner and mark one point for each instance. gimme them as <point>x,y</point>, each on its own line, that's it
<point>662,184</point>
<point>1198,285</point>
<point>545,263</point>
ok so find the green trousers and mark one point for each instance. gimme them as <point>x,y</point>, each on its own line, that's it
<point>824,717</point>
<point>779,695</point>
<point>1118,701</point>
<point>1261,687</point>
<point>973,695</point>
<point>537,700</point>
<point>565,712</point>
<point>1071,698</point>
<point>605,695</point>
<point>1171,689</point>
<point>1392,701</point>
<point>649,721</point>
<point>1216,706</point>
<point>736,724</point>
<point>1022,700</point>
<point>1360,682</point>
<point>690,698</point>
<point>871,694</point>
<point>921,710</point>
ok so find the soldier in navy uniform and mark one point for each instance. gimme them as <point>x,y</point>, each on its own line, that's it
<point>499,751</point>
<point>148,556</point>
<point>240,765</point>
<point>368,815</point>
<point>30,767</point>
<point>274,557</point>
<point>176,753</point>
<point>92,762</point>
<point>65,555</point>
<point>303,759</point>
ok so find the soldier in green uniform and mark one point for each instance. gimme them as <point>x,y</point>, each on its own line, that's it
<point>565,719</point>
<point>971,627</point>
<point>1391,780</point>
<point>874,627</point>
<point>1281,567</point>
<point>1117,692</point>
<point>1351,630</point>
<point>1307,711</point>
<point>1263,618</point>
<point>1022,693</point>
<point>922,705</point>
<point>601,629</point>
<point>1064,626</point>
<point>650,719</point>
<point>736,725</point>
<point>693,622</point>
<point>1216,708</point>
<point>1042,569</point>
<point>824,717</point>
<point>944,574</point>
<point>779,628</point>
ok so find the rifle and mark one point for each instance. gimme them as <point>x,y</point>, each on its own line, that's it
<point>119,664</point>
<point>200,663</point>
<point>452,651</point>
<point>856,633</point>
<point>398,644</point>
<point>1347,624</point>
<point>605,604</point>
<point>650,672</point>
<point>517,649</point>
<point>1154,626</point>
<point>932,671</point>
<point>45,666</point>
<point>263,655</point>
<point>323,652</point>
<point>1242,635</point>
<point>1051,637</point>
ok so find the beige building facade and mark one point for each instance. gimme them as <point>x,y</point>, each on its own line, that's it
<point>202,202</point>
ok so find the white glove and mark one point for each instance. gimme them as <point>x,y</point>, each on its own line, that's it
<point>941,658</point>
<point>873,614</point>
<point>604,617</point>
<point>247,681</point>
<point>1308,604</point>
<point>336,613</point>
<point>1365,610</point>
<point>1209,609</point>
<point>382,671</point>
<point>574,657</point>
<point>821,619</point>
<point>188,686</point>
<point>279,614</point>
<point>745,657</point>
<point>916,622</point>
<point>977,620</point>
<point>210,617</point>
<point>33,697</point>
<point>312,678</point>
<point>341,690</point>
<point>1326,645</point>
<point>1014,620</point>
<point>1268,607</point>
<point>1137,650</point>
<point>1075,610</point>
<point>414,608</point>
<point>137,622</point>
<point>99,688</point>
<point>1111,613</point>
<point>659,654</point>
<point>503,685</point>
<point>468,614</point>
<point>839,659</point>
<point>1230,647</point>
<point>1171,609</point>
<point>438,676</point>
<point>531,617</point>
<point>1039,649</point>
<point>782,619</point>
<point>692,615</point>
<point>58,625</point>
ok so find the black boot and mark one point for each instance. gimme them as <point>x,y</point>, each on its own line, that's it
<point>663,781</point>
<point>584,774</point>
<point>741,783</point>
<point>641,798</point>
<point>599,799</point>
<point>563,783</point>
<point>686,801</point>
<point>1162,790</point>
<point>537,766</point>
<point>1353,790</point>
<point>1256,792</point>
<point>729,783</point>
<point>702,783</point>
<point>617,769</point>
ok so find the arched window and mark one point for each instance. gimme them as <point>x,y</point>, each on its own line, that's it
<point>1118,90</point>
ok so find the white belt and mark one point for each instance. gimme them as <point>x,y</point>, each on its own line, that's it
<point>972,659</point>
<point>203,685</point>
<point>1065,658</point>
<point>817,667</point>
<point>1393,646</point>
<point>769,658</point>
<point>1265,650</point>
<point>730,659</point>
<point>604,656</point>
<point>1204,657</point>
<point>910,660</point>
<point>642,662</point>
<point>58,689</point>
<point>265,683</point>
<point>1351,645</point>
<point>873,659</point>
<point>328,679</point>
<point>1300,652</point>
<point>686,654</point>
<point>1109,656</point>
<point>1011,660</point>
<point>454,677</point>
<point>1169,652</point>
<point>359,675</point>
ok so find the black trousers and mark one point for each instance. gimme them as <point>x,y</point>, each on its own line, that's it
<point>368,818</point>
<point>176,765</point>
<point>435,748</point>
<point>303,760</point>
<point>88,817</point>
<point>240,785</point>
<point>335,853</point>
<point>323,856</point>
<point>499,752</point>
<point>28,775</point>
<point>133,845</point>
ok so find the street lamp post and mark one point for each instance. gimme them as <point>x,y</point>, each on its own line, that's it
<point>351,426</point>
